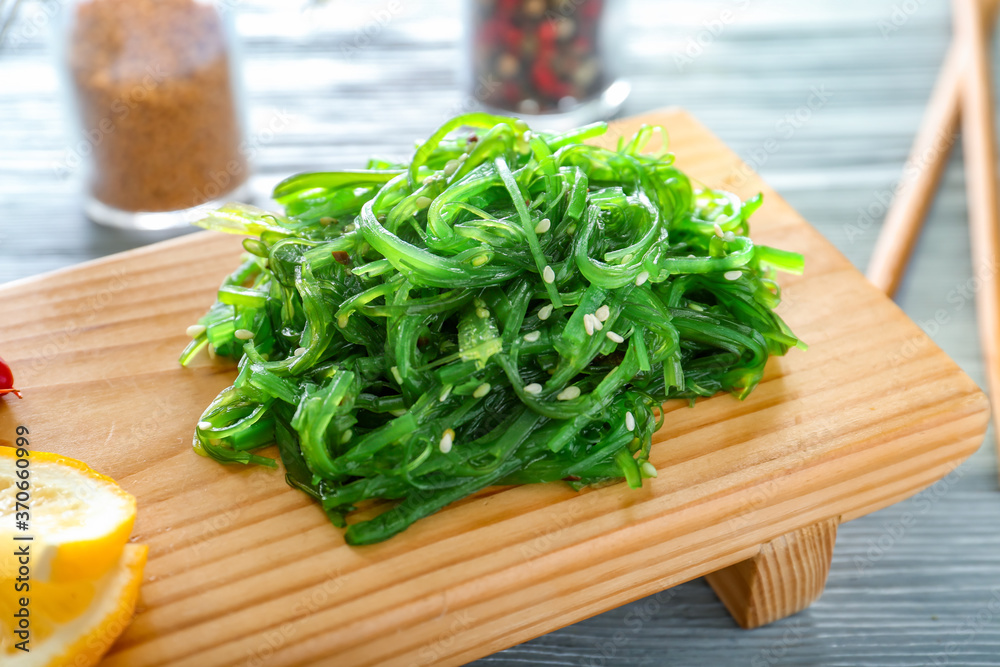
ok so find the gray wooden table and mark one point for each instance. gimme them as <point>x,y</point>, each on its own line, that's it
<point>329,84</point>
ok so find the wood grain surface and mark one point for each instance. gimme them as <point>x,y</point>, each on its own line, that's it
<point>243,568</point>
<point>787,576</point>
<point>979,141</point>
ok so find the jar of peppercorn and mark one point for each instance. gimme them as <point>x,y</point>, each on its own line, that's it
<point>553,60</point>
<point>160,136</point>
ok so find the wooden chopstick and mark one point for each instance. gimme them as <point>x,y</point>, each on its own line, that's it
<point>979,143</point>
<point>924,167</point>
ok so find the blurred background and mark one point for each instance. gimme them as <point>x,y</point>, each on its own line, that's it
<point>822,98</point>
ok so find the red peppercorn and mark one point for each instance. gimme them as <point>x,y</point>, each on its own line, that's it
<point>537,52</point>
<point>545,81</point>
<point>512,37</point>
<point>591,9</point>
<point>547,32</point>
<point>7,380</point>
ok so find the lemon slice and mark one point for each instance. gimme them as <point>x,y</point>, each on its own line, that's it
<point>78,518</point>
<point>69,579</point>
<point>72,624</point>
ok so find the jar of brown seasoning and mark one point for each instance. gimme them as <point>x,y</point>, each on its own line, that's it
<point>158,107</point>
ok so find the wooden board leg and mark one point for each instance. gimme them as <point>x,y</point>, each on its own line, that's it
<point>786,576</point>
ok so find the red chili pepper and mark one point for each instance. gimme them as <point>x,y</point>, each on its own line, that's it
<point>7,380</point>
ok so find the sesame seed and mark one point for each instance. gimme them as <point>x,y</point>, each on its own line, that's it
<point>243,334</point>
<point>423,202</point>
<point>196,330</point>
<point>299,351</point>
<point>648,469</point>
<point>326,221</point>
<point>211,351</point>
<point>571,230</point>
<point>445,393</point>
<point>348,434</point>
<point>397,413</point>
<point>482,313</point>
<point>480,260</point>
<point>543,226</point>
<point>342,321</point>
<point>534,388</point>
<point>641,278</point>
<point>627,258</point>
<point>478,303</point>
<point>548,275</point>
<point>481,390</point>
<point>596,322</point>
<point>732,275</point>
<point>630,421</point>
<point>730,237</point>
<point>451,166</point>
<point>718,231</point>
<point>447,438</point>
<point>588,324</point>
<point>395,374</point>
<point>695,307</point>
<point>349,228</point>
<point>603,313</point>
<point>569,393</point>
<point>615,337</point>
<point>463,157</point>
<point>532,336</point>
<point>204,426</point>
<point>545,312</point>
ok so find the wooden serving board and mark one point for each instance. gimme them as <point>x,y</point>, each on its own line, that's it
<point>245,570</point>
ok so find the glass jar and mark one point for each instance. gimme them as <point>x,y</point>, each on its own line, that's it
<point>552,62</point>
<point>159,113</point>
